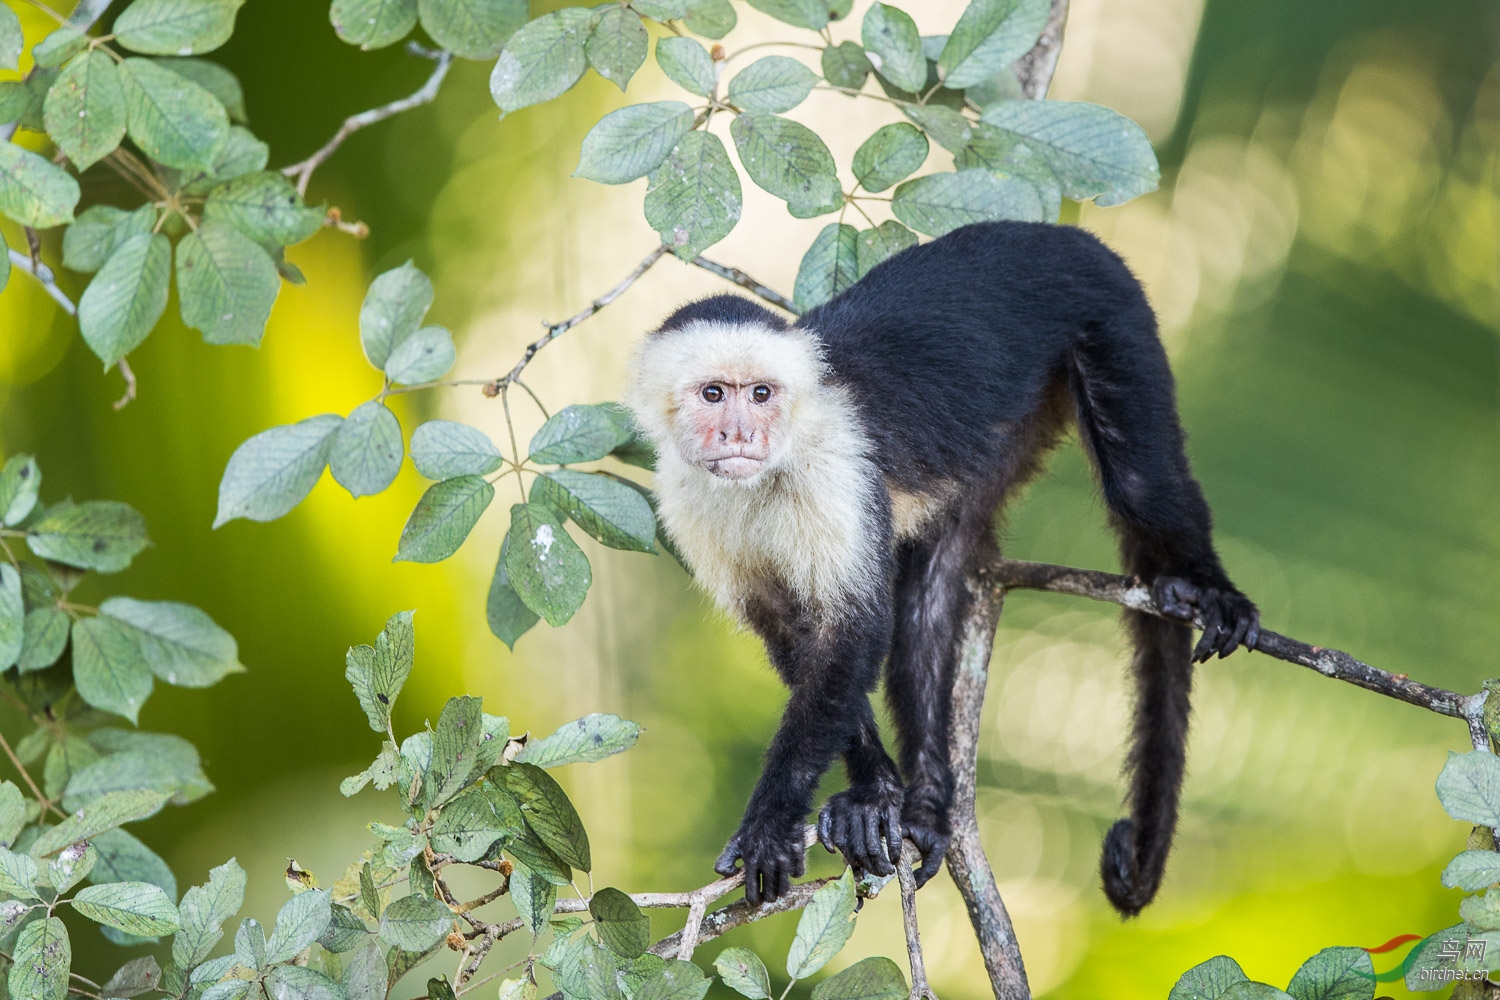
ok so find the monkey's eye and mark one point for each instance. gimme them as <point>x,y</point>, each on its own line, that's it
<point>761,394</point>
<point>713,394</point>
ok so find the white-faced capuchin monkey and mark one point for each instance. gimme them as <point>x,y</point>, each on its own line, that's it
<point>831,481</point>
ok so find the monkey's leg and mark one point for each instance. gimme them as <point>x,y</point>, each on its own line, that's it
<point>931,601</point>
<point>854,821</point>
<point>832,673</point>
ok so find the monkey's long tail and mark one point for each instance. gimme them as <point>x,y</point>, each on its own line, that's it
<point>1135,849</point>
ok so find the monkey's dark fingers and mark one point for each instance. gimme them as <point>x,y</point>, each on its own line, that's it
<point>726,865</point>
<point>1175,597</point>
<point>1213,633</point>
<point>1241,629</point>
<point>799,861</point>
<point>1252,638</point>
<point>932,858</point>
<point>752,885</point>
<point>825,830</point>
<point>875,855</point>
<point>783,881</point>
<point>890,827</point>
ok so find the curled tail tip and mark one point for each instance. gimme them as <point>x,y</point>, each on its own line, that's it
<point>1128,888</point>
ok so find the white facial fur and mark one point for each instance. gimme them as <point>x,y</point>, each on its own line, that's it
<point>793,498</point>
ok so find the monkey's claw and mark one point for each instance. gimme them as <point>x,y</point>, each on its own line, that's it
<point>772,855</point>
<point>854,822</point>
<point>929,830</point>
<point>1229,619</point>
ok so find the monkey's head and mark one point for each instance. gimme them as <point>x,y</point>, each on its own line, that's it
<point>716,387</point>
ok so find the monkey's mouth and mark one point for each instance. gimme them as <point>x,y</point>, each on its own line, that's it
<point>735,466</point>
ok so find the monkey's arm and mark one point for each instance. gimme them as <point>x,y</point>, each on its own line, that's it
<point>855,821</point>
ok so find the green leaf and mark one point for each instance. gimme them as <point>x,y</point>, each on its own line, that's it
<point>346,931</point>
<point>892,154</point>
<point>830,265</point>
<point>137,976</point>
<point>578,433</point>
<point>633,141</point>
<point>549,813</point>
<point>617,47</point>
<point>18,875</point>
<point>772,83</point>
<point>882,243</point>
<point>591,738</point>
<point>45,636</point>
<point>415,923</point>
<point>606,508</point>
<point>12,39</point>
<point>1469,787</point>
<point>710,18</point>
<point>1481,912</point>
<point>85,109</point>
<point>373,24</point>
<point>1095,152</point>
<point>66,756</point>
<point>266,207</point>
<point>546,567</point>
<point>204,910</point>
<point>589,971</point>
<point>4,263</point>
<point>33,192</point>
<point>623,928</point>
<point>392,311</point>
<point>868,979</point>
<point>423,357</point>
<point>529,850</point>
<point>443,449</point>
<point>694,199</point>
<point>250,944</point>
<point>366,452</point>
<point>507,615</point>
<point>811,14</point>
<point>443,518</point>
<point>175,122</point>
<point>12,616</point>
<point>679,980</point>
<point>1335,974</point>
<point>133,907</point>
<point>542,60</point>
<point>989,36</point>
<point>687,64</point>
<point>661,10</point>
<point>1003,86</point>
<point>103,814</point>
<point>138,761</point>
<point>455,743</point>
<point>43,957</point>
<point>939,203</point>
<point>123,858</point>
<point>124,301</point>
<point>472,29</point>
<point>176,27</point>
<point>215,79</point>
<point>365,974</point>
<point>1472,871</point>
<point>469,826</point>
<point>744,972</point>
<point>99,231</point>
<point>183,645</point>
<point>1000,153</point>
<point>72,864</point>
<point>20,479</point>
<point>788,159</point>
<point>242,154</point>
<point>109,668</point>
<point>60,46</point>
<point>302,920</point>
<point>227,284</point>
<point>1254,991</point>
<point>1208,980</point>
<point>825,925</point>
<point>534,897</point>
<point>270,473</point>
<point>845,65</point>
<point>13,814</point>
<point>946,126</point>
<point>377,674</point>
<point>894,46</point>
<point>297,982</point>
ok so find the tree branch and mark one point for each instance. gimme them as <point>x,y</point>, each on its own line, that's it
<point>920,990</point>
<point>48,279</point>
<point>748,283</point>
<point>424,95</point>
<point>1034,70</point>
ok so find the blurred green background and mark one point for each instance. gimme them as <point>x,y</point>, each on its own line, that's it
<point>1323,253</point>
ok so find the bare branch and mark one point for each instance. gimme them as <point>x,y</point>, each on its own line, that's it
<point>554,330</point>
<point>1034,70</point>
<point>920,990</point>
<point>44,274</point>
<point>1129,592</point>
<point>748,283</point>
<point>424,95</point>
<point>129,377</point>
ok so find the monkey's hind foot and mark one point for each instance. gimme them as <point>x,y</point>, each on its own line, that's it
<point>929,829</point>
<point>773,854</point>
<point>1229,618</point>
<point>855,821</point>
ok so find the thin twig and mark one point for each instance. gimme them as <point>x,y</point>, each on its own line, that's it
<point>129,377</point>
<point>44,274</point>
<point>554,330</point>
<point>41,798</point>
<point>303,171</point>
<point>748,283</point>
<point>920,989</point>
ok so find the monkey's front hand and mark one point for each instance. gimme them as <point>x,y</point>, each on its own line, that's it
<point>1229,618</point>
<point>773,852</point>
<point>854,822</point>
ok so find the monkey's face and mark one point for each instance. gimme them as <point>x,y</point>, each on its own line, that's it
<point>733,425</point>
